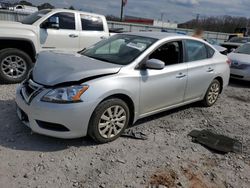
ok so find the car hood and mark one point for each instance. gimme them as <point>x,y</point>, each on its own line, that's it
<point>12,24</point>
<point>53,68</point>
<point>231,44</point>
<point>219,48</point>
<point>239,57</point>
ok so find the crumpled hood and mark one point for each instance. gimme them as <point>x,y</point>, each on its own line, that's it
<point>57,68</point>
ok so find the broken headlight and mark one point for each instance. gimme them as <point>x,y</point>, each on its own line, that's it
<point>70,94</point>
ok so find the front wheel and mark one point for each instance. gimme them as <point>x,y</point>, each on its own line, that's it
<point>109,120</point>
<point>212,94</point>
<point>14,65</point>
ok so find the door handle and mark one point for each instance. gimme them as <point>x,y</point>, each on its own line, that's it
<point>210,69</point>
<point>73,36</point>
<point>102,37</point>
<point>181,75</point>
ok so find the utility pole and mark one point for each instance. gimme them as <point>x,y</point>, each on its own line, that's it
<point>197,18</point>
<point>122,6</point>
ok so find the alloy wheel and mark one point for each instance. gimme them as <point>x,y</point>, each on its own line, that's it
<point>112,121</point>
<point>13,66</point>
<point>213,93</point>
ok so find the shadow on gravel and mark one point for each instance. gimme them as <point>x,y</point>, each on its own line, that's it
<point>167,113</point>
<point>14,135</point>
<point>239,83</point>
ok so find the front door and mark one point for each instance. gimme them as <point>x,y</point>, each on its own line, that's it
<point>66,38</point>
<point>166,87</point>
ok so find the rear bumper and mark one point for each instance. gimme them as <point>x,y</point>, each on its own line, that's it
<point>73,117</point>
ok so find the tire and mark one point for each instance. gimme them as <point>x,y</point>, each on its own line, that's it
<point>212,94</point>
<point>102,125</point>
<point>14,65</point>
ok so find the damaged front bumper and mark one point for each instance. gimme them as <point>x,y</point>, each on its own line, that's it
<point>51,119</point>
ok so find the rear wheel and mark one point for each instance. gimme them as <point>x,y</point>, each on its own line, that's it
<point>14,65</point>
<point>109,120</point>
<point>212,94</point>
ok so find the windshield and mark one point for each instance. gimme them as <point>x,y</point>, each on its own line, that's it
<point>34,17</point>
<point>245,49</point>
<point>120,49</point>
<point>239,40</point>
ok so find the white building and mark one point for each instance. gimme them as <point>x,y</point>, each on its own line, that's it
<point>159,23</point>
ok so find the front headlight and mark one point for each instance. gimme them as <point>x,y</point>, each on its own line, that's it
<point>70,94</point>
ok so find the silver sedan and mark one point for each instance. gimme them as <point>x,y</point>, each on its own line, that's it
<point>102,90</point>
<point>240,63</point>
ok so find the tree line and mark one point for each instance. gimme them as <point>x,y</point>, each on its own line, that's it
<point>226,24</point>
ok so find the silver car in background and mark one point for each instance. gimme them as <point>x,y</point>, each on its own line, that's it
<point>240,63</point>
<point>118,81</point>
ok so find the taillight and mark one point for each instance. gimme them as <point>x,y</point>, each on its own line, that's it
<point>229,62</point>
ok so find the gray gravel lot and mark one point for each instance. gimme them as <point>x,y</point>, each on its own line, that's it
<point>168,157</point>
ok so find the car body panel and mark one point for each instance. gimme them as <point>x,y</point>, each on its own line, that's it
<point>240,68</point>
<point>61,68</point>
<point>54,39</point>
<point>161,88</point>
<point>151,91</point>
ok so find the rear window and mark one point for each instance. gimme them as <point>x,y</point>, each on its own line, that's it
<point>196,50</point>
<point>245,49</point>
<point>91,23</point>
<point>210,52</point>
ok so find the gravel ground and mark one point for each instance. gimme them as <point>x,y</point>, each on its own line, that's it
<point>167,158</point>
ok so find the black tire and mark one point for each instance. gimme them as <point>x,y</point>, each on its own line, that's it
<point>206,101</point>
<point>27,62</point>
<point>93,128</point>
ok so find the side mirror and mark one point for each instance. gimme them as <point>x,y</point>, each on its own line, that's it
<point>155,64</point>
<point>52,23</point>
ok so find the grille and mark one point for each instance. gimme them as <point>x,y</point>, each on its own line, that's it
<point>29,90</point>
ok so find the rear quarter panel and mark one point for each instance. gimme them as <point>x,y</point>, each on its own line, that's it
<point>222,68</point>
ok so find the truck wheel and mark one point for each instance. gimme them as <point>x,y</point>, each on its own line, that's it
<point>109,120</point>
<point>14,65</point>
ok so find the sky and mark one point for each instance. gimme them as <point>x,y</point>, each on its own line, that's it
<point>173,10</point>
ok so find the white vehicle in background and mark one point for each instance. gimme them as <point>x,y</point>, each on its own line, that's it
<point>24,9</point>
<point>54,30</point>
<point>240,62</point>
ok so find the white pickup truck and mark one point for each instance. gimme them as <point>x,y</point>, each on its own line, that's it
<point>57,29</point>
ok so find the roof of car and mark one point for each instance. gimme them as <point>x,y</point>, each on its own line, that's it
<point>157,35</point>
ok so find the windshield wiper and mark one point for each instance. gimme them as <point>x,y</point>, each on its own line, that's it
<point>81,51</point>
<point>98,58</point>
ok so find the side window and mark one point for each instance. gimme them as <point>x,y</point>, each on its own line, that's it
<point>170,53</point>
<point>196,50</point>
<point>91,23</point>
<point>66,20</point>
<point>210,52</point>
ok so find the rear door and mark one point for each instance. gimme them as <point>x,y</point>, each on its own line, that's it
<point>66,38</point>
<point>200,68</point>
<point>93,30</point>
